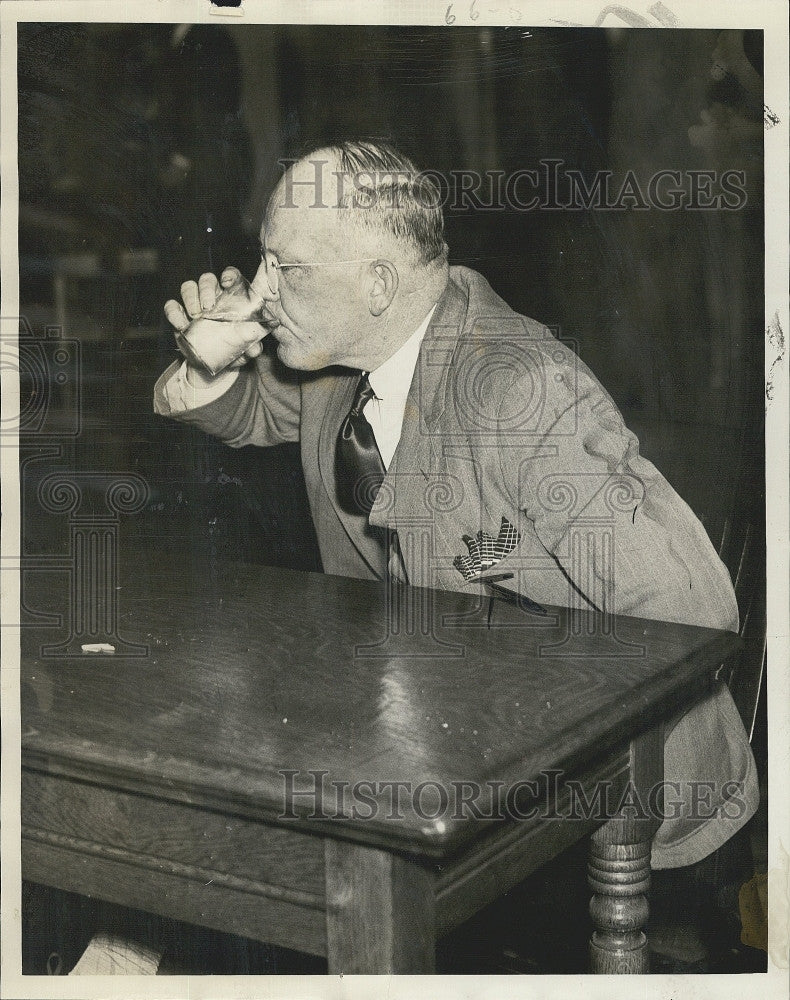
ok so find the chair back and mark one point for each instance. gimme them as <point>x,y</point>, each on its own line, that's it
<point>740,542</point>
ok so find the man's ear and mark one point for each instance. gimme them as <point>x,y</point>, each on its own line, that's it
<point>384,287</point>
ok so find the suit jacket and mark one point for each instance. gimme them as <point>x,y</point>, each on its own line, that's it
<point>503,421</point>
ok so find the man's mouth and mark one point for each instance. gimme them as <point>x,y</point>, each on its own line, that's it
<point>270,323</point>
<point>277,330</point>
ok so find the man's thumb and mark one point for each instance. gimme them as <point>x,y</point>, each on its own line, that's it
<point>229,277</point>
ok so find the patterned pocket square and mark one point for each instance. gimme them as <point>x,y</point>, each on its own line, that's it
<point>486,551</point>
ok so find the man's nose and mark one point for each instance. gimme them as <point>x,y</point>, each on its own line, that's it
<point>260,284</point>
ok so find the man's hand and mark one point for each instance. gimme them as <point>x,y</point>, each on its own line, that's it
<point>228,306</point>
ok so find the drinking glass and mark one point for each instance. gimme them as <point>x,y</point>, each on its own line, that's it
<point>222,334</point>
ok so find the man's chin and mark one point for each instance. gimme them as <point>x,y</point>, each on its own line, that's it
<point>291,356</point>
<point>300,352</point>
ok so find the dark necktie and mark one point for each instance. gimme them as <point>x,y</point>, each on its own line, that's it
<point>359,470</point>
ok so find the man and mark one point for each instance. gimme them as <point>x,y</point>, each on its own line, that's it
<point>446,440</point>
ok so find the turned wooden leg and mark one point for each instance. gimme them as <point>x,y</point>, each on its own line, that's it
<point>619,867</point>
<point>619,876</point>
<point>380,912</point>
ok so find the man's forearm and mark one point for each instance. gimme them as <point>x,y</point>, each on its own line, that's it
<point>259,404</point>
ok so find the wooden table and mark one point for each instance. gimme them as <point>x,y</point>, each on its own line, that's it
<point>160,781</point>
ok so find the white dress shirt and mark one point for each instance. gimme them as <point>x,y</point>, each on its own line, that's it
<point>390,382</point>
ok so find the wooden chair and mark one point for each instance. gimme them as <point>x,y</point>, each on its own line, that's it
<point>741,547</point>
<point>708,924</point>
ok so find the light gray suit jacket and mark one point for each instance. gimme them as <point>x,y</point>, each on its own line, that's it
<point>503,421</point>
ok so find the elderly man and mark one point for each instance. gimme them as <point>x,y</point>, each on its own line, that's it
<point>446,440</point>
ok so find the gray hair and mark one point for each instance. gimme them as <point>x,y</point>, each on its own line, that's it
<point>389,193</point>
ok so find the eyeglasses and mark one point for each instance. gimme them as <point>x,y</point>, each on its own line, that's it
<point>273,266</point>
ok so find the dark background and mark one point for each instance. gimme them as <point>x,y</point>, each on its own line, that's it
<point>147,152</point>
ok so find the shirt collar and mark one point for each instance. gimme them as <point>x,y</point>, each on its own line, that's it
<point>394,376</point>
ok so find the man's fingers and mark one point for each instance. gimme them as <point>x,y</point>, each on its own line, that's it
<point>200,297</point>
<point>175,314</point>
<point>191,297</point>
<point>208,286</point>
<point>229,277</point>
<point>254,350</point>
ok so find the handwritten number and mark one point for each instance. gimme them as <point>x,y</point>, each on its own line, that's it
<point>474,13</point>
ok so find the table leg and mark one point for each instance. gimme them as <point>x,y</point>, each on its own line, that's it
<point>619,867</point>
<point>619,875</point>
<point>380,911</point>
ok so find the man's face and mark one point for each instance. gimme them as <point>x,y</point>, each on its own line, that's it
<point>321,312</point>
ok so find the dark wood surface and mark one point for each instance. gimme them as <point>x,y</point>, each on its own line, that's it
<point>251,670</point>
<point>366,889</point>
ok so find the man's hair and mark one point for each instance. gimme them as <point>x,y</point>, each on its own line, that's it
<point>386,191</point>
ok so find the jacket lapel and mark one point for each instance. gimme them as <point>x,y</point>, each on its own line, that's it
<point>414,482</point>
<point>411,474</point>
